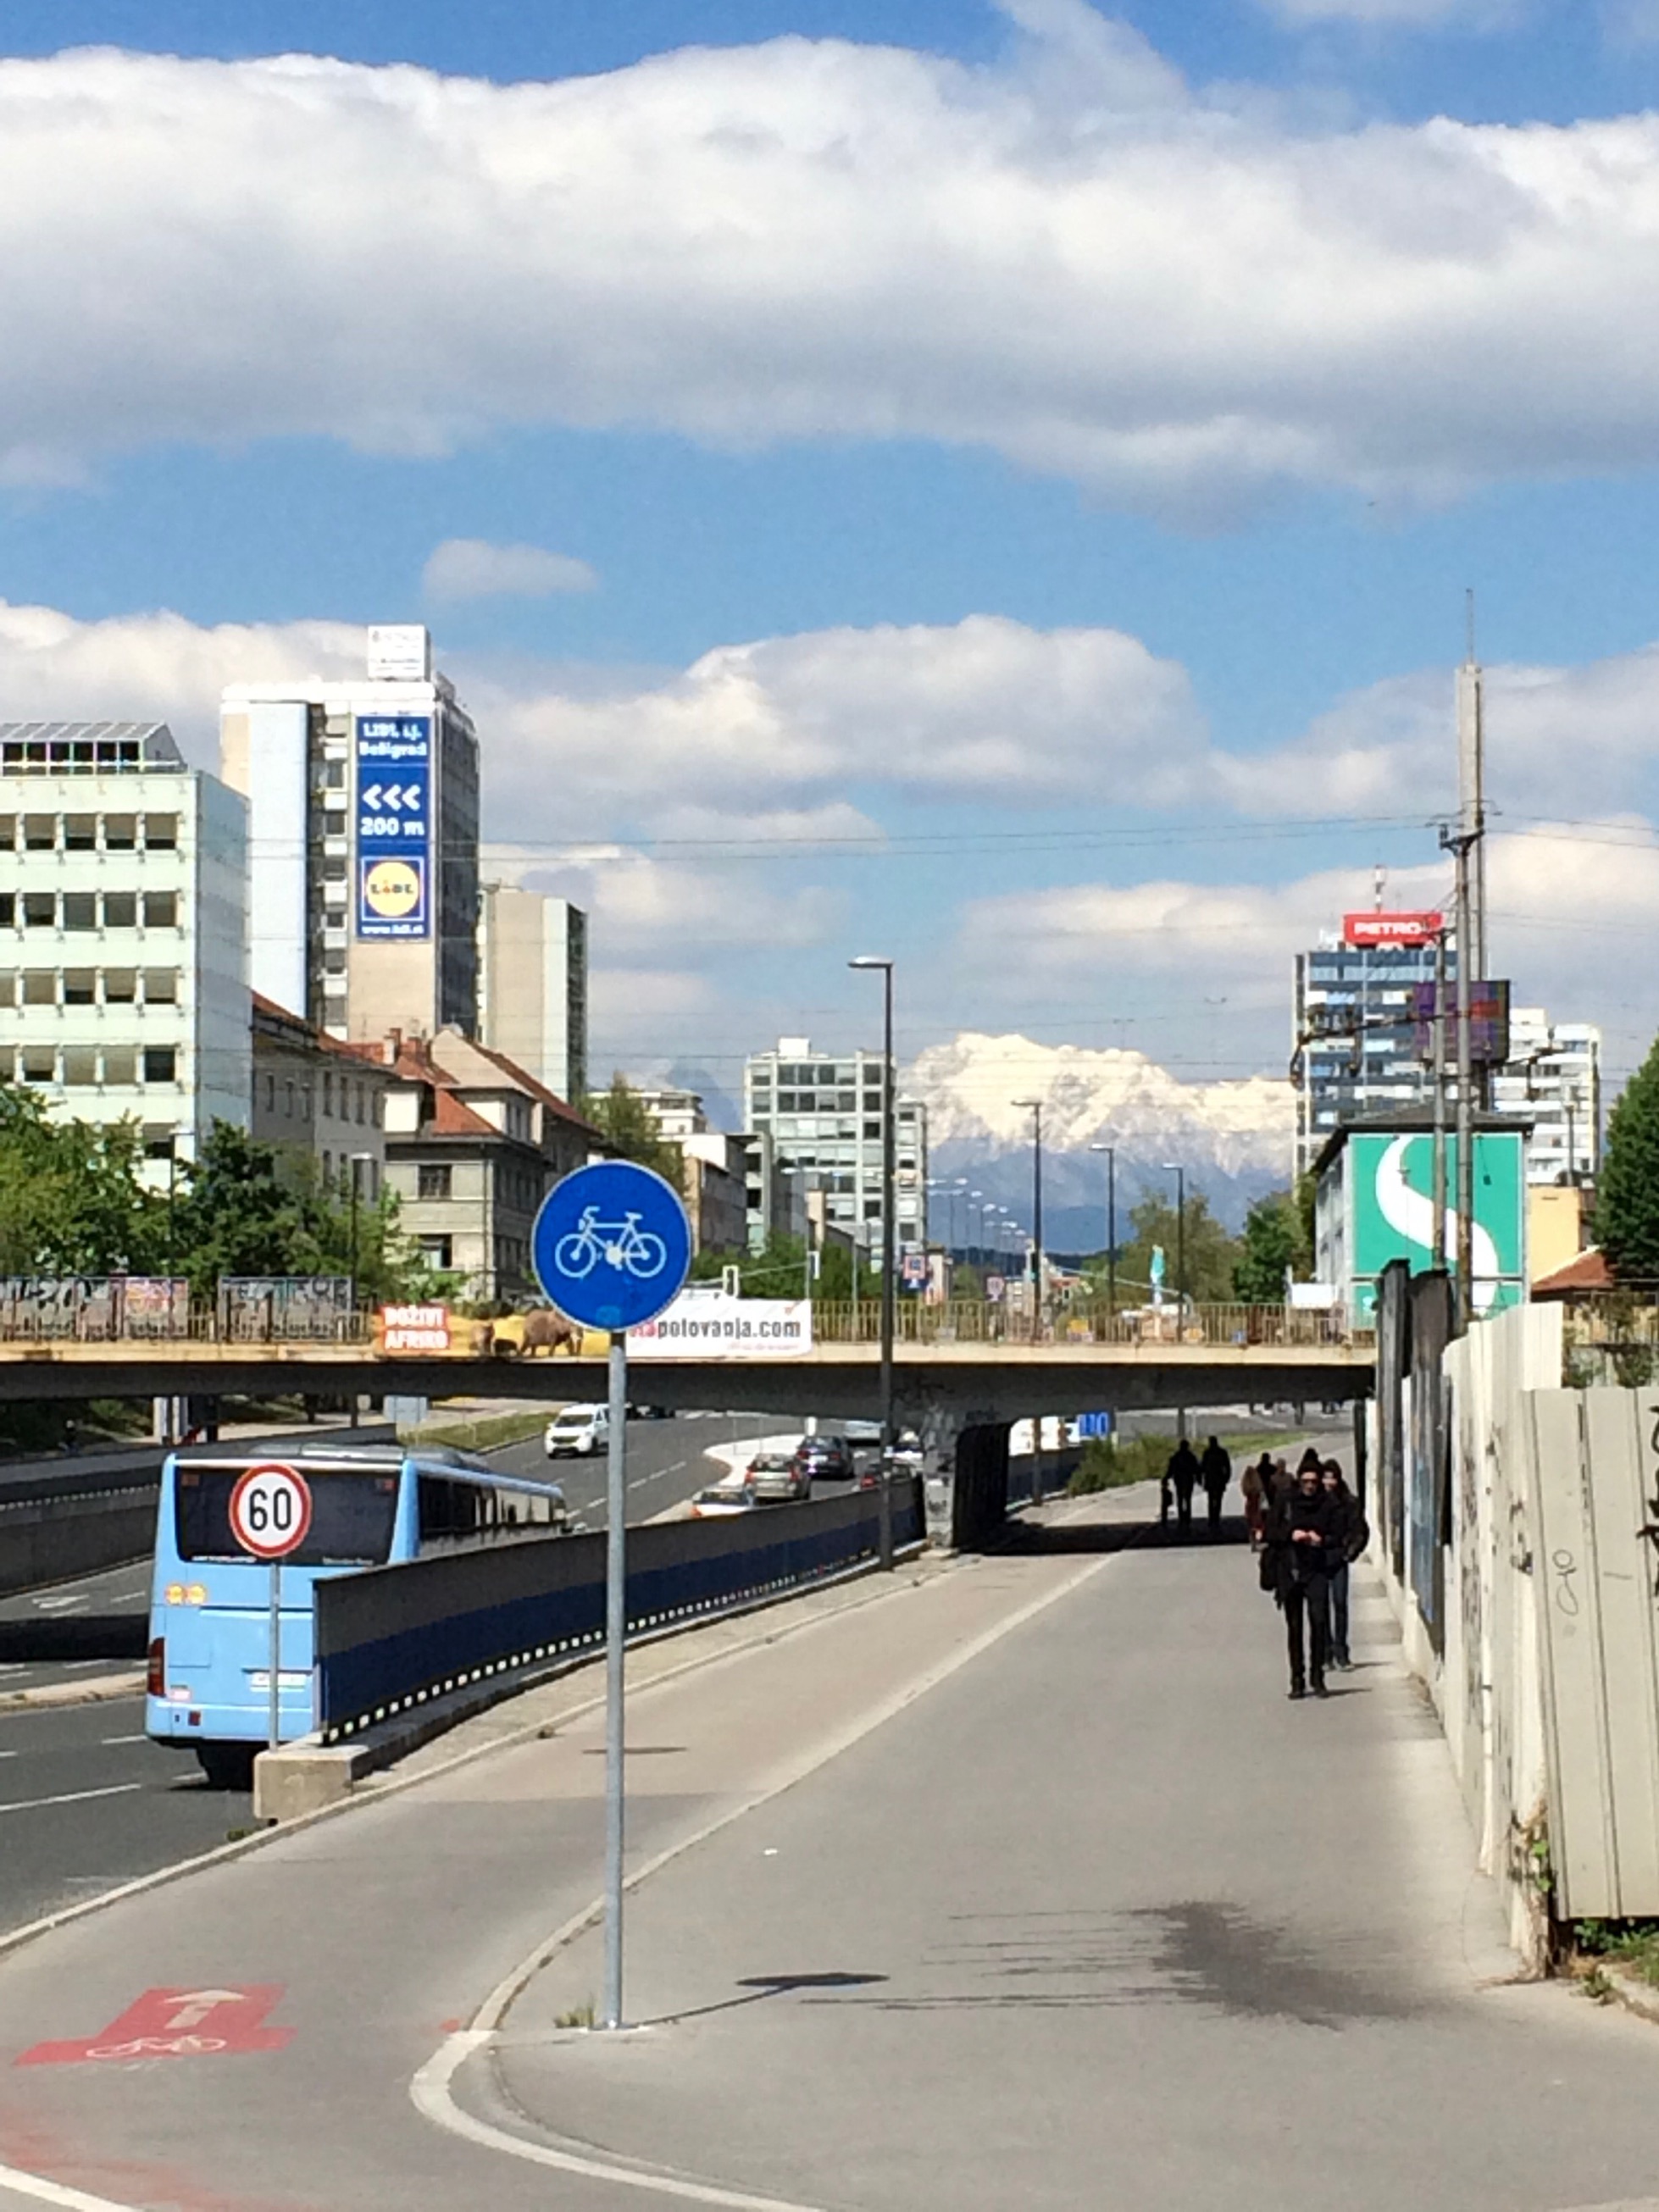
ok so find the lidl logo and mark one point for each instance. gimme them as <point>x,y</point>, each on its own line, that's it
<point>392,889</point>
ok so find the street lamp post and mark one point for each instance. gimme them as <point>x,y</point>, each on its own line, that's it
<point>1110,1151</point>
<point>356,1162</point>
<point>1034,1107</point>
<point>888,1272</point>
<point>1171,1167</point>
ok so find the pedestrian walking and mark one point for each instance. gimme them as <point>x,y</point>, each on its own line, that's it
<point>1304,1541</point>
<point>1182,1476</point>
<point>1216,1472</point>
<point>1354,1534</point>
<point>1256,1484</point>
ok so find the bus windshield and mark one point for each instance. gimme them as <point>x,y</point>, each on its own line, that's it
<point>351,1517</point>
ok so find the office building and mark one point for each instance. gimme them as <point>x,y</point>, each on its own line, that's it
<point>1553,1079</point>
<point>774,1196</point>
<point>533,986</point>
<point>362,842</point>
<point>713,1170</point>
<point>123,931</point>
<point>1354,1035</point>
<point>822,1115</point>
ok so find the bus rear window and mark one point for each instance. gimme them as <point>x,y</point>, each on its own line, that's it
<point>351,1518</point>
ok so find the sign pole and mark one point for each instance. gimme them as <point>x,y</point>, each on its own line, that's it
<point>276,1653</point>
<point>616,1629</point>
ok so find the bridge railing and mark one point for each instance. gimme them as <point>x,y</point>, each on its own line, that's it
<point>969,1320</point>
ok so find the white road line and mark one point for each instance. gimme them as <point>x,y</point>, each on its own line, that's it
<point>14,2183</point>
<point>71,1797</point>
<point>109,1741</point>
<point>59,1604</point>
<point>8,1754</point>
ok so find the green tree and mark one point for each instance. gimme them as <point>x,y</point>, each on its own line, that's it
<point>1627,1193</point>
<point>73,1200</point>
<point>1276,1245</point>
<point>779,1272</point>
<point>1211,1252</point>
<point>631,1132</point>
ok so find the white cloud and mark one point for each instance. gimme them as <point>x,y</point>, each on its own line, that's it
<point>1067,258</point>
<point>473,569</point>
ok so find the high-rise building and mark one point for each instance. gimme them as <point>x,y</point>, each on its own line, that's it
<point>362,842</point>
<point>1355,1029</point>
<point>533,986</point>
<point>1553,1079</point>
<point>822,1115</point>
<point>123,931</point>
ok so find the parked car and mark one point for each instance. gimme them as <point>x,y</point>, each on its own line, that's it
<point>825,1459</point>
<point>779,1477</point>
<point>577,1432</point>
<point>733,1494</point>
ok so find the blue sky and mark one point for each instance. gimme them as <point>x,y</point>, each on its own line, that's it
<point>815,357</point>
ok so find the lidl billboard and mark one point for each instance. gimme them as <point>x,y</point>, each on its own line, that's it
<point>394,825</point>
<point>1387,1205</point>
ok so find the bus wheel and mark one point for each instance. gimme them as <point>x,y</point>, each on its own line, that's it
<point>227,1765</point>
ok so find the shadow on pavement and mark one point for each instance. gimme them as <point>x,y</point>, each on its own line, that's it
<point>756,1988</point>
<point>1034,1538</point>
<point>89,1636</point>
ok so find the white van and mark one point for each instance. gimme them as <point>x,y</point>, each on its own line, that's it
<point>578,1430</point>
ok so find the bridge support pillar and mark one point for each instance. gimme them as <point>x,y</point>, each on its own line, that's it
<point>965,1483</point>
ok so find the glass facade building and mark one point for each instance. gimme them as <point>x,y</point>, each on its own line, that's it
<point>823,1117</point>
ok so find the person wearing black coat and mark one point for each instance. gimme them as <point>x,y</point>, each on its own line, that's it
<point>1305,1539</point>
<point>1182,1473</point>
<point>1355,1535</point>
<point>1216,1471</point>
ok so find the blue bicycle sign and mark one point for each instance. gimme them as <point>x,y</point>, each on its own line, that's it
<point>622,1244</point>
<point>611,1244</point>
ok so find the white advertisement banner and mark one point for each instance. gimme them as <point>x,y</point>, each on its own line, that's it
<point>712,1324</point>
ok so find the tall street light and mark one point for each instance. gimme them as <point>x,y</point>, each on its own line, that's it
<point>889,1271</point>
<point>1110,1151</point>
<point>1171,1167</point>
<point>1034,1107</point>
<point>355,1162</point>
<point>976,1227</point>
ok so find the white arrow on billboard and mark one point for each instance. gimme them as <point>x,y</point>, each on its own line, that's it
<point>1411,1214</point>
<point>372,796</point>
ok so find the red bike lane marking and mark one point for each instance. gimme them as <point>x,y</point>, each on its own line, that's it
<point>182,2023</point>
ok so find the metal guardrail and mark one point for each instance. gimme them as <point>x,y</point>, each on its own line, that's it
<point>393,1638</point>
<point>1083,1322</point>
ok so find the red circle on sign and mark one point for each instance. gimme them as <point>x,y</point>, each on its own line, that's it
<point>271,1511</point>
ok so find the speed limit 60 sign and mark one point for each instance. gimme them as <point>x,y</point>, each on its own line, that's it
<point>271,1511</point>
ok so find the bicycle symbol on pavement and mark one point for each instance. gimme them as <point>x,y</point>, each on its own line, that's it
<point>622,1244</point>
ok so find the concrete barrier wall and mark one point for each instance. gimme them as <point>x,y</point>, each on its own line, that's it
<point>395,1636</point>
<point>56,1539</point>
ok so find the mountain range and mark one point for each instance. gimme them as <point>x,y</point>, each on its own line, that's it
<point>1233,1138</point>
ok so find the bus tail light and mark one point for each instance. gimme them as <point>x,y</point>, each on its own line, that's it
<point>156,1680</point>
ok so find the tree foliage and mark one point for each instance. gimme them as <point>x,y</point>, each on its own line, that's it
<point>631,1132</point>
<point>1276,1245</point>
<point>72,1197</point>
<point>1211,1253</point>
<point>779,1272</point>
<point>1627,1192</point>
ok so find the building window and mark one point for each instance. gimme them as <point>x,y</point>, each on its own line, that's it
<point>120,1064</point>
<point>8,910</point>
<point>328,1099</point>
<point>161,1064</point>
<point>120,833</point>
<point>159,1144</point>
<point>161,833</point>
<point>434,1250</point>
<point>270,1094</point>
<point>39,910</point>
<point>120,910</point>
<point>362,1109</point>
<point>80,833</point>
<point>433,1182</point>
<point>79,1068</point>
<point>80,987</point>
<point>161,910</point>
<point>288,1106</point>
<point>161,987</point>
<point>8,987</point>
<point>40,1064</point>
<point>39,987</point>
<point>40,833</point>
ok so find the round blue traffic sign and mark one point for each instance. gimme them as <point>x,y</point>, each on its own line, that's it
<point>611,1244</point>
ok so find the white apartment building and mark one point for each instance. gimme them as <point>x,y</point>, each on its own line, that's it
<point>362,842</point>
<point>123,931</point>
<point>822,1115</point>
<point>533,986</point>
<point>1553,1079</point>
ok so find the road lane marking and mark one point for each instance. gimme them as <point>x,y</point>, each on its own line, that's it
<point>58,1604</point>
<point>71,1797</point>
<point>110,1742</point>
<point>15,2183</point>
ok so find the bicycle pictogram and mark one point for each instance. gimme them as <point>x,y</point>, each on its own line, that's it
<point>622,1244</point>
<point>158,2046</point>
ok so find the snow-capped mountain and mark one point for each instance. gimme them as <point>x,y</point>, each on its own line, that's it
<point>1232,1138</point>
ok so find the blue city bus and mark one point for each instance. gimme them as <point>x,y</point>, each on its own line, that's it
<point>209,1686</point>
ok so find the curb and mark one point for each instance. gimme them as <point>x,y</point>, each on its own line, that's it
<point>96,1692</point>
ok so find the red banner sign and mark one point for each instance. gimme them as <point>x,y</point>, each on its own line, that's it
<point>183,2023</point>
<point>1369,929</point>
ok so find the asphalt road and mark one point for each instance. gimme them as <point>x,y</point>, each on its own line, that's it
<point>88,1802</point>
<point>667,1461</point>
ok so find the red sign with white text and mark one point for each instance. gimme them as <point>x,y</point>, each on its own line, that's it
<point>177,2024</point>
<point>1420,928</point>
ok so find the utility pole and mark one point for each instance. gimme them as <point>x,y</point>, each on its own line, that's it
<point>1439,1168</point>
<point>1461,846</point>
<point>1472,813</point>
<point>1034,1107</point>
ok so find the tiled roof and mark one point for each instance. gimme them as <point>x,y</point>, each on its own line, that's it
<point>1588,1271</point>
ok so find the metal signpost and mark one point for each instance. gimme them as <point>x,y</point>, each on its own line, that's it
<point>270,1517</point>
<point>612,1248</point>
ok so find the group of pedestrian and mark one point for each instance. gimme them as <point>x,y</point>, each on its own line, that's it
<point>1307,1529</point>
<point>1185,1473</point>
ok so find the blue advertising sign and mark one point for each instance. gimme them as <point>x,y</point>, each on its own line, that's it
<point>611,1245</point>
<point>394,825</point>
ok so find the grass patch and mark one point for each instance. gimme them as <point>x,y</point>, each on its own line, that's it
<point>1114,1463</point>
<point>579,2015</point>
<point>1633,1943</point>
<point>487,1433</point>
